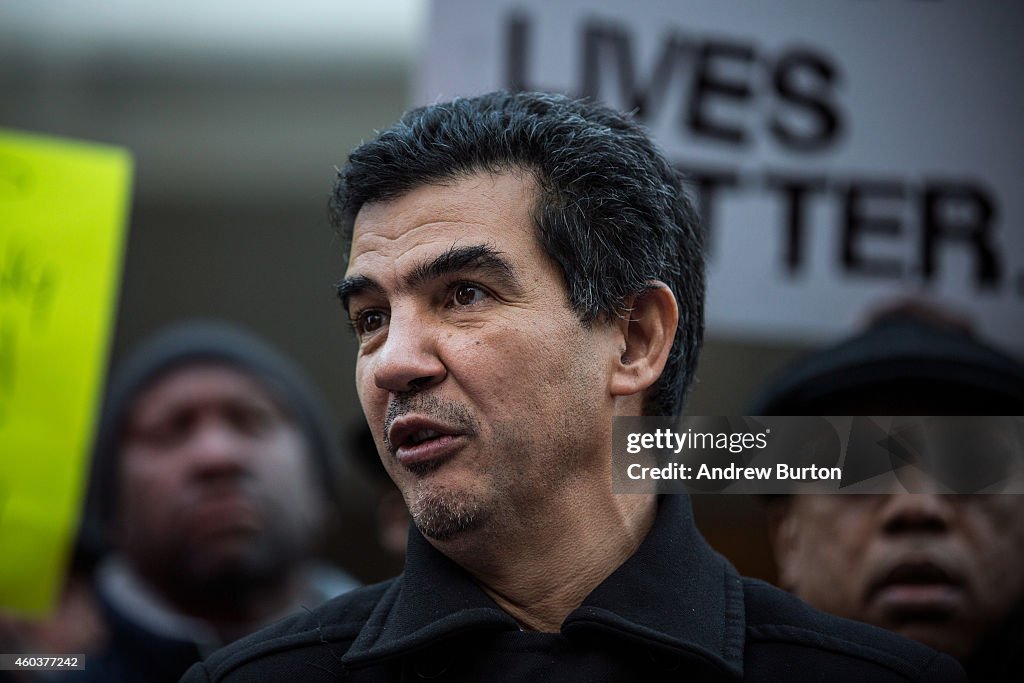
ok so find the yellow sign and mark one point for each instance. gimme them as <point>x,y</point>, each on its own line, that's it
<point>63,208</point>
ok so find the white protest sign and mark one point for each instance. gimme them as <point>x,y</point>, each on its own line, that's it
<point>844,152</point>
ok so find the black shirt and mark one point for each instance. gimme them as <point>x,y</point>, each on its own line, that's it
<point>675,610</point>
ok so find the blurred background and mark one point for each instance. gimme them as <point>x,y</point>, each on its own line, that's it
<point>238,116</point>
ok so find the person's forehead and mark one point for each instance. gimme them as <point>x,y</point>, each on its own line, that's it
<point>483,207</point>
<point>199,382</point>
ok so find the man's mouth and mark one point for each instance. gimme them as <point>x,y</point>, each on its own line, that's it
<point>918,590</point>
<point>422,444</point>
<point>221,515</point>
<point>421,436</point>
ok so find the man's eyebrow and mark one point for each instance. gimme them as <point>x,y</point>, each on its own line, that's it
<point>353,285</point>
<point>480,257</point>
<point>454,260</point>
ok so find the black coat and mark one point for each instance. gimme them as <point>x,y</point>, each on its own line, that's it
<point>675,610</point>
<point>134,654</point>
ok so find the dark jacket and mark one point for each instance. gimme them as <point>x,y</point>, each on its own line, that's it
<point>148,642</point>
<point>135,654</point>
<point>675,610</point>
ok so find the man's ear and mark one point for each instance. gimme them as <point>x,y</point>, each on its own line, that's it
<point>648,326</point>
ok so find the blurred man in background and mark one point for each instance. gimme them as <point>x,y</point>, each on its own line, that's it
<point>213,470</point>
<point>947,570</point>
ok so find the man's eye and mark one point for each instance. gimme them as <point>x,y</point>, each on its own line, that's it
<point>368,322</point>
<point>250,419</point>
<point>467,295</point>
<point>165,433</point>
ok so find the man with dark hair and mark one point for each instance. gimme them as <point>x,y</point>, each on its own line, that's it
<point>523,268</point>
<point>608,208</point>
<point>214,465</point>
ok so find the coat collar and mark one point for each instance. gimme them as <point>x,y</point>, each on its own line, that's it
<point>675,595</point>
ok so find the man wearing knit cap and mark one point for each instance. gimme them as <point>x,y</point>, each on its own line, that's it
<point>947,570</point>
<point>213,467</point>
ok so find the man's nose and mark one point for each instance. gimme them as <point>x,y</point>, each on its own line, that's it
<point>217,447</point>
<point>408,359</point>
<point>917,512</point>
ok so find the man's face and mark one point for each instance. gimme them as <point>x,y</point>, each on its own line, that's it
<point>939,569</point>
<point>215,482</point>
<point>485,394</point>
